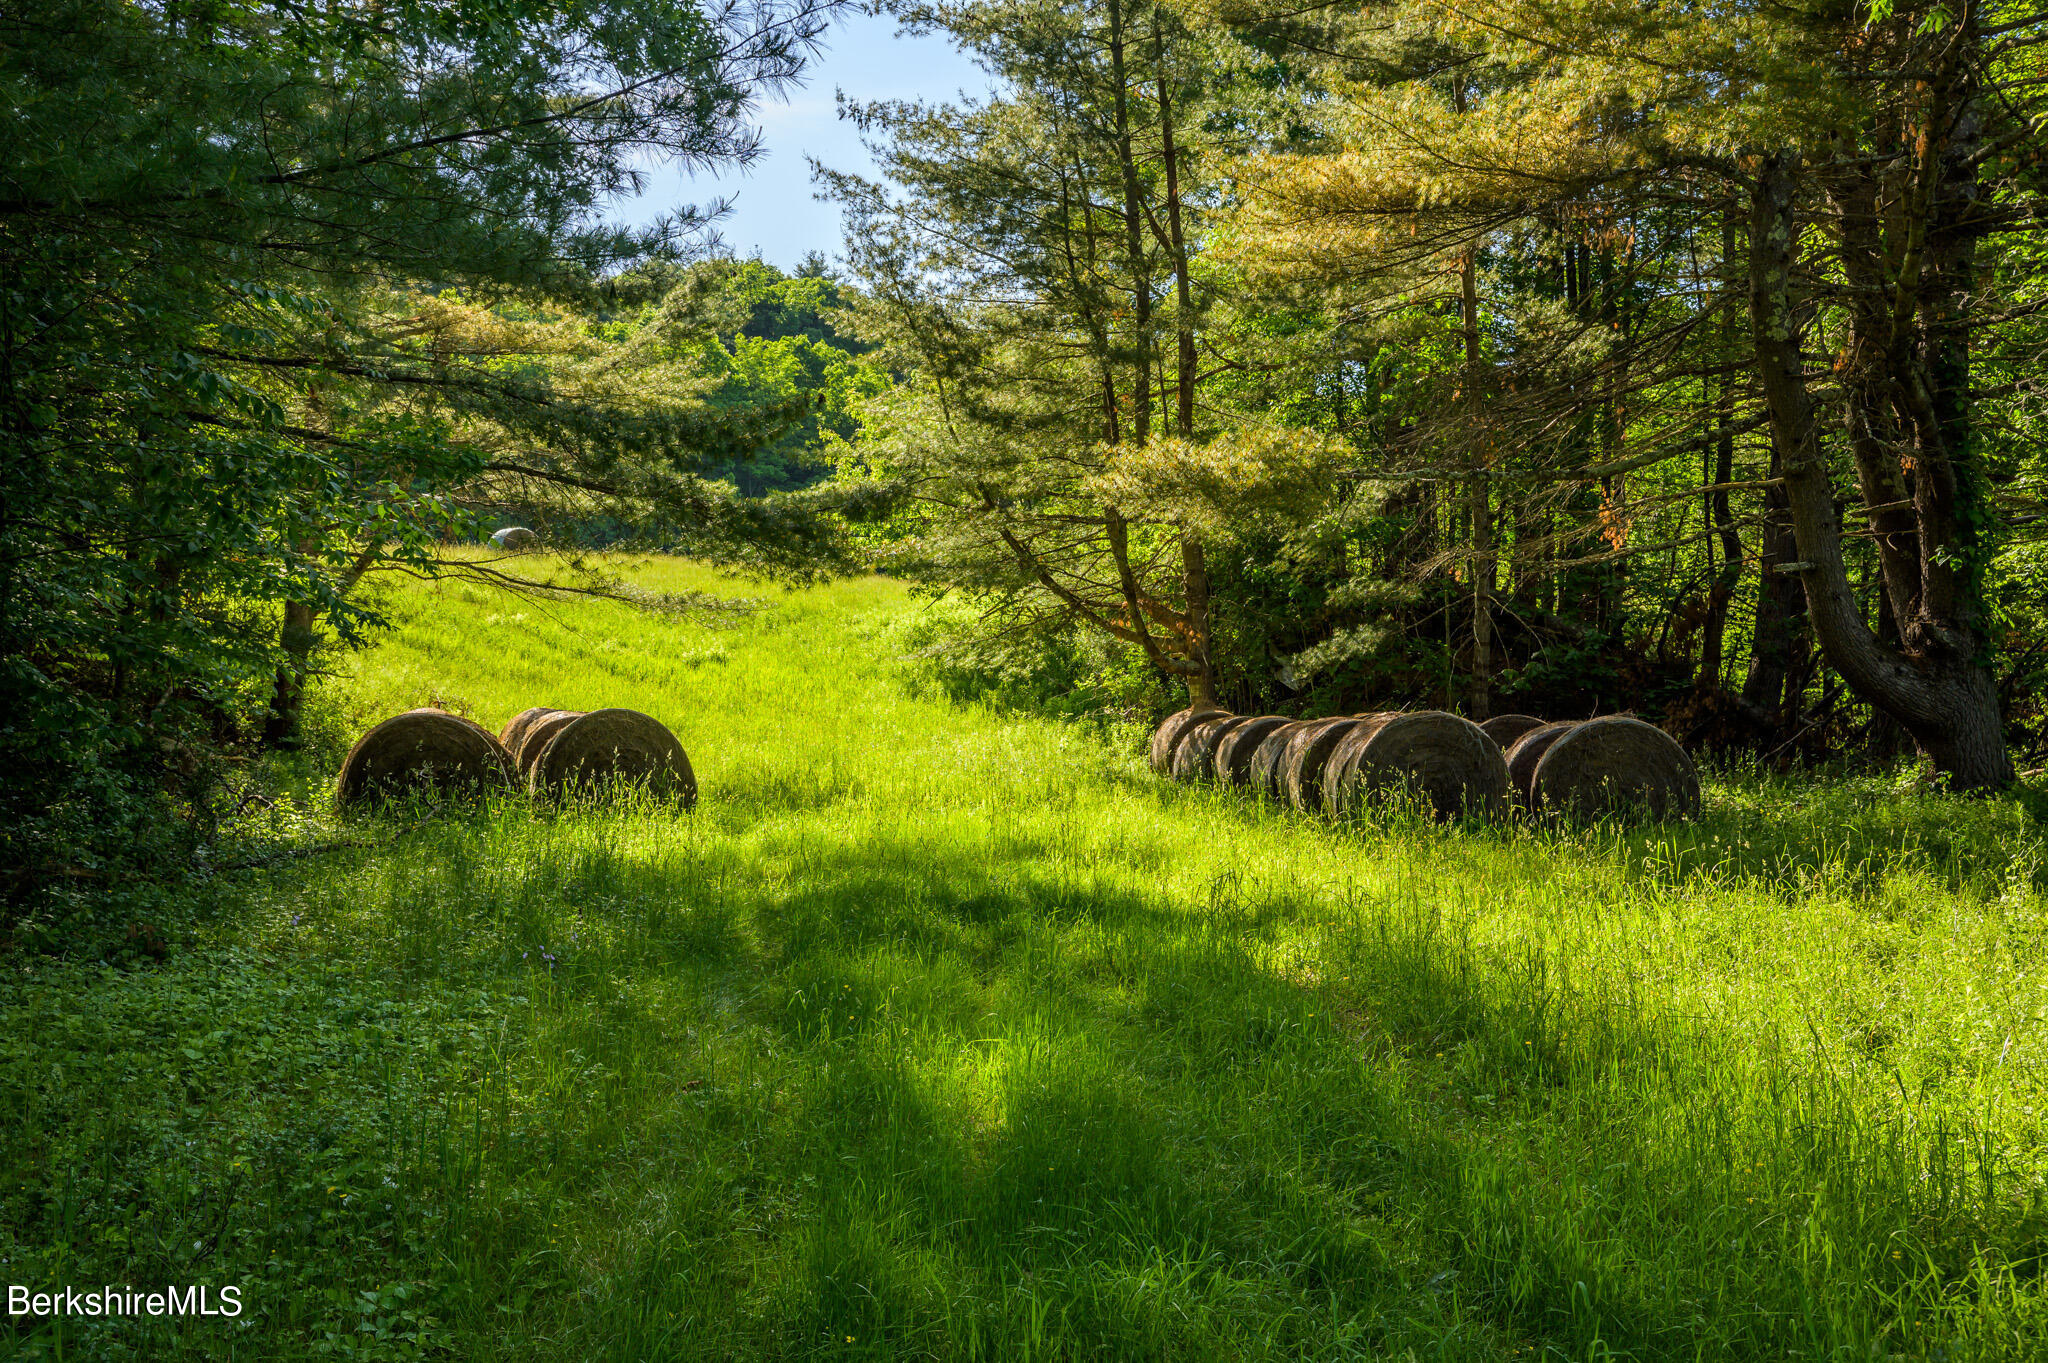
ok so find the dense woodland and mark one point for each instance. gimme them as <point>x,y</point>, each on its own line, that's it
<point>1559,356</point>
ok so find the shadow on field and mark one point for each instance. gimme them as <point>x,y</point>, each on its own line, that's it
<point>646,1089</point>
<point>1030,1119</point>
<point>1029,1127</point>
<point>990,1093</point>
<point>784,790</point>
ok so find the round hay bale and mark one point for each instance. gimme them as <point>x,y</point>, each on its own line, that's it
<point>515,539</point>
<point>607,746</point>
<point>428,750</point>
<point>536,738</point>
<point>1308,752</point>
<point>1526,752</point>
<point>1171,729</point>
<point>1194,757</point>
<point>513,735</point>
<point>465,719</point>
<point>1233,764</point>
<point>1616,765</point>
<point>1344,757</point>
<point>1447,760</point>
<point>1264,774</point>
<point>1505,729</point>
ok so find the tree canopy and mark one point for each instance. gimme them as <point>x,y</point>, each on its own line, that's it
<point>1613,343</point>
<point>284,299</point>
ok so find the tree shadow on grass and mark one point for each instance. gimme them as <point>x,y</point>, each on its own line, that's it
<point>1127,1128</point>
<point>919,1100</point>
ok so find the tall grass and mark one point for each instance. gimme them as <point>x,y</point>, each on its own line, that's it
<point>938,1032</point>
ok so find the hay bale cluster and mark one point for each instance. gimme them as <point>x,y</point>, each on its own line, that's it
<point>1339,765</point>
<point>544,751</point>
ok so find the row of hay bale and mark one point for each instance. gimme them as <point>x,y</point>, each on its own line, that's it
<point>545,751</point>
<point>1615,764</point>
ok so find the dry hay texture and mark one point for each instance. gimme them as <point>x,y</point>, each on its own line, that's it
<point>1505,729</point>
<point>516,538</point>
<point>536,738</point>
<point>610,746</point>
<point>1194,758</point>
<point>513,735</point>
<point>1272,753</point>
<point>1173,728</point>
<point>1447,760</point>
<point>1344,757</point>
<point>1616,765</point>
<point>1308,752</point>
<point>429,750</point>
<point>1527,751</point>
<point>1234,755</point>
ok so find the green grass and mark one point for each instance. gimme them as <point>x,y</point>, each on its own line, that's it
<point>942,1033</point>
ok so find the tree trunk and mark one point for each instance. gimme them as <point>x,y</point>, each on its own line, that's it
<point>1183,287</point>
<point>1529,583</point>
<point>1079,291</point>
<point>297,638</point>
<point>1195,571</point>
<point>1134,234</point>
<point>1194,563</point>
<point>1883,739</point>
<point>1479,695</point>
<point>1777,645</point>
<point>1936,685</point>
<point>1721,590</point>
<point>288,691</point>
<point>1719,514</point>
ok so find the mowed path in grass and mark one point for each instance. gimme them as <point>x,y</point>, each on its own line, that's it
<point>939,1033</point>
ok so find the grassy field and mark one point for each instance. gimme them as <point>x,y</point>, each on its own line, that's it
<point>941,1033</point>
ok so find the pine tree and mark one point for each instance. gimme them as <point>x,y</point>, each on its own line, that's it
<point>1878,167</point>
<point>1032,267</point>
<point>218,220</point>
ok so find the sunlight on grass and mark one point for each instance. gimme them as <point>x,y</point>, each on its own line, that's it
<point>937,1032</point>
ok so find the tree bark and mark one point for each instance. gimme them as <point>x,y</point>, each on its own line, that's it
<point>288,690</point>
<point>1194,563</point>
<point>1183,289</point>
<point>1721,591</point>
<point>297,638</point>
<point>1134,235</point>
<point>1479,695</point>
<point>1936,684</point>
<point>1479,497</point>
<point>1195,573</point>
<point>1778,645</point>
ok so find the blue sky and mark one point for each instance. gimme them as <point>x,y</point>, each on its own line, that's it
<point>773,211</point>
